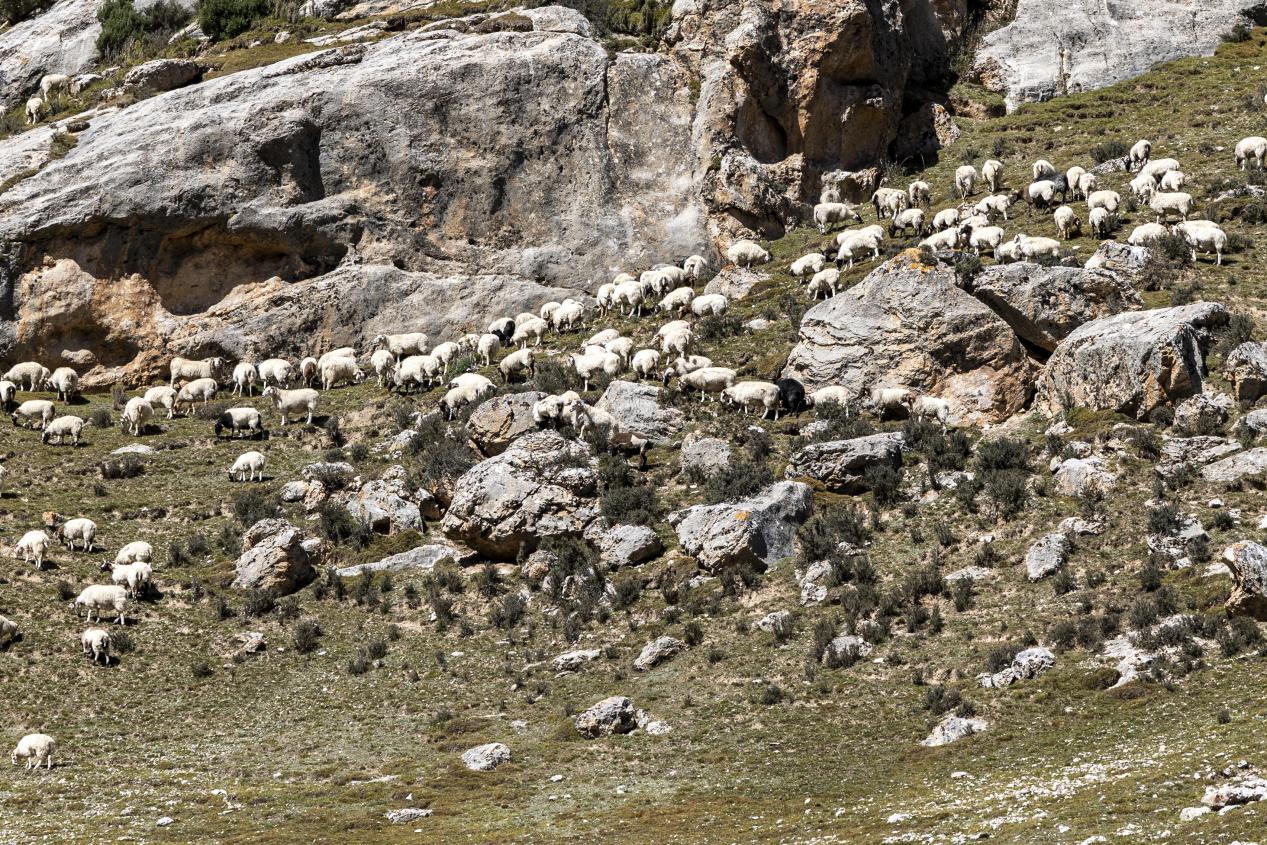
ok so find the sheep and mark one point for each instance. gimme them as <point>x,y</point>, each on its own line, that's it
<point>35,749</point>
<point>162,396</point>
<point>276,372</point>
<point>1007,252</point>
<point>134,577</point>
<point>1072,176</point>
<point>340,371</point>
<point>1166,204</point>
<point>340,352</point>
<point>8,391</point>
<point>1147,233</point>
<point>1157,167</point>
<point>1253,147</point>
<point>685,364</point>
<point>447,351</point>
<point>747,253</point>
<point>750,395</point>
<point>240,420</point>
<point>985,237</point>
<point>947,218</point>
<point>34,111</point>
<point>10,633</point>
<point>34,544</point>
<point>594,361</point>
<point>1101,223</point>
<point>61,428</point>
<point>136,415</point>
<point>645,363</point>
<point>1087,183</point>
<point>487,348</point>
<point>183,369</point>
<point>1205,237</point>
<point>992,173</point>
<point>695,266</point>
<point>931,408</point>
<point>137,551</point>
<point>911,218</point>
<point>383,363</point>
<point>875,230</point>
<point>402,345</point>
<point>96,644</point>
<point>201,388</point>
<point>95,597</point>
<point>1041,194</point>
<point>672,273</point>
<point>652,281</point>
<point>918,192</point>
<point>417,371</point>
<point>549,410</point>
<point>28,375</point>
<point>1067,223</point>
<point>1140,152</point>
<point>458,397</point>
<point>503,327</point>
<point>78,530</point>
<point>965,180</point>
<point>516,363</point>
<point>708,380</point>
<point>948,238</point>
<point>628,444</point>
<point>678,343</point>
<point>470,380</point>
<point>622,346</point>
<point>1143,186</point>
<point>891,400</point>
<point>825,282</point>
<point>889,202</point>
<point>534,328</point>
<point>52,83</point>
<point>1043,170</point>
<point>1110,201</point>
<point>547,309</point>
<point>289,401</point>
<point>709,304</point>
<point>586,418</point>
<point>855,246</point>
<point>1172,181</point>
<point>39,411</point>
<point>828,213</point>
<point>3,473</point>
<point>65,381</point>
<point>245,377</point>
<point>832,394</point>
<point>995,205</point>
<point>568,316</point>
<point>677,301</point>
<point>605,297</point>
<point>791,395</point>
<point>809,263</point>
<point>247,466</point>
<point>1031,248</point>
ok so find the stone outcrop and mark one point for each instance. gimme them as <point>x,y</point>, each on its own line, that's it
<point>424,558</point>
<point>1047,556</point>
<point>1248,564</point>
<point>636,406</point>
<point>1252,462</point>
<point>1028,664</point>
<point>614,715</point>
<point>1077,477</point>
<point>1246,368</point>
<point>704,457</point>
<point>62,39</point>
<point>386,505</point>
<point>273,558</point>
<point>659,650</point>
<point>759,531</point>
<point>952,729</point>
<point>495,424</point>
<point>162,75</point>
<point>841,465</point>
<point>485,758</point>
<point>627,545</point>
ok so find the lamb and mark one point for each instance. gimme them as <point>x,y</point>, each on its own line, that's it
<point>96,644</point>
<point>918,192</point>
<point>276,372</point>
<point>75,531</point>
<point>824,282</point>
<point>995,205</point>
<point>247,466</point>
<point>97,597</point>
<point>695,267</point>
<point>183,369</point>
<point>708,380</point>
<point>402,345</point>
<point>891,400</point>
<point>1143,186</point>
<point>34,111</point>
<point>534,328</point>
<point>291,401</point>
<point>418,371</point>
<point>459,397</point>
<point>1067,223</point>
<point>202,388</point>
<point>809,263</point>
<point>503,328</point>
<point>947,218</point>
<point>245,377</point>
<point>10,633</point>
<point>1041,194</point>
<point>240,420</point>
<point>1031,247</point>
<point>855,246</point>
<point>709,304</point>
<point>1205,237</point>
<point>645,363</point>
<point>54,83</point>
<point>1165,205</point>
<point>516,363</point>
<point>595,360</point>
<point>606,297</point>
<point>8,391</point>
<point>685,364</point>
<point>137,551</point>
<point>134,577</point>
<point>34,544</point>
<point>889,202</point>
<point>1072,176</point>
<point>828,213</point>
<point>911,218</point>
<point>751,395</point>
<point>1140,152</point>
<point>832,394</point>
<point>487,348</point>
<point>1101,223</point>
<point>931,408</point>
<point>384,364</point>
<point>1110,201</point>
<point>987,237</point>
<point>1043,170</point>
<point>136,415</point>
<point>1087,183</point>
<point>40,411</point>
<point>965,180</point>
<point>1172,181</point>
<point>35,749</point>
<point>747,253</point>
<point>992,173</point>
<point>65,381</point>
<point>1160,166</point>
<point>1251,148</point>
<point>568,316</point>
<point>162,396</point>
<point>28,375</point>
<point>61,428</point>
<point>1147,233</point>
<point>340,371</point>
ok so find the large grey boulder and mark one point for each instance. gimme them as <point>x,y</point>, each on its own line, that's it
<point>658,651</point>
<point>1246,368</point>
<point>423,558</point>
<point>1078,477</point>
<point>273,558</point>
<point>485,758</point>
<point>1131,363</point>
<point>704,457</point>
<point>736,283</point>
<point>386,504</point>
<point>841,465</point>
<point>636,408</point>
<point>1028,664</point>
<point>1248,564</point>
<point>845,649</point>
<point>496,422</point>
<point>759,531</point>
<point>627,545</point>
<point>1044,304</point>
<point>1047,556</point>
<point>1120,258</point>
<point>909,325</point>
<point>542,486</point>
<point>1252,462</point>
<point>614,715</point>
<point>1203,412</point>
<point>62,39</point>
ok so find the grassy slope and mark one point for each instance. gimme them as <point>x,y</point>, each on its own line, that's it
<point>302,748</point>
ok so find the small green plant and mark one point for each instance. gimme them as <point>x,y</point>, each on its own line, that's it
<point>222,19</point>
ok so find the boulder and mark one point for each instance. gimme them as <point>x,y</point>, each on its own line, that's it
<point>628,545</point>
<point>1199,450</point>
<point>485,758</point>
<point>969,573</point>
<point>1255,421</point>
<point>572,661</point>
<point>952,729</point>
<point>1130,363</point>
<point>658,651</point>
<point>846,649</point>
<point>636,408</point>
<point>387,504</point>
<point>1044,304</point>
<point>496,422</point>
<point>1047,556</point>
<point>1233,468</point>
<point>814,582</point>
<point>1119,258</point>
<point>1248,564</point>
<point>273,558</point>
<point>406,815</point>
<point>759,531</point>
<point>541,486</point>
<point>557,19</point>
<point>1027,664</point>
<point>1174,544</point>
<point>1077,477</point>
<point>704,457</point>
<point>1245,791</point>
<point>614,715</point>
<point>1203,412</point>
<point>774,622</point>
<point>841,465</point>
<point>162,75</point>
<point>1246,368</point>
<point>735,283</point>
<point>908,325</point>
<point>423,558</point>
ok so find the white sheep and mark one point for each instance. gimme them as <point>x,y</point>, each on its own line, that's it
<point>586,418</point>
<point>137,551</point>
<point>487,348</point>
<point>1172,181</point>
<point>992,173</point>
<point>534,328</point>
<point>1100,222</point>
<point>1110,201</point>
<point>459,397</point>
<point>965,180</point>
<point>995,205</point>
<point>418,371</point>
<point>34,544</point>
<point>446,352</point>
<point>651,282</point>
<point>629,296</point>
<point>248,466</point>
<point>384,363</point>
<point>605,297</point>
<point>677,301</point>
<point>674,274</point>
<point>549,410</point>
<point>1146,233</point>
<point>709,304</point>
<point>1041,194</point>
<point>340,371</point>
<point>826,214</point>
<point>245,377</point>
<point>832,394</point>
<point>855,247</point>
<point>9,632</point>
<point>547,309</point>
<point>200,388</point>
<point>1043,170</point>
<point>240,420</point>
<point>162,396</point>
<point>751,395</point>
<point>1253,148</point>
<point>1140,152</point>
<point>948,238</point>
<point>684,364</point>
<point>1157,167</point>
<point>1007,252</point>
<point>96,644</point>
<point>516,363</point>
<point>65,381</point>
<point>61,428</point>
<point>1166,205</point>
<point>134,577</point>
<point>34,110</point>
<point>891,400</point>
<point>1067,223</point>
<point>1205,237</point>
<point>37,411</point>
<point>708,380</point>
<point>1087,183</point>
<point>593,361</point>
<point>570,314</point>
<point>889,202</point>
<point>985,237</point>
<point>1072,175</point>
<point>931,408</point>
<point>911,218</point>
<point>309,369</point>
<point>97,597</point>
<point>622,346</point>
<point>54,83</point>
<point>875,230</point>
<point>80,530</point>
<point>645,363</point>
<point>809,263</point>
<point>695,266</point>
<point>341,352</point>
<point>825,282</point>
<point>183,369</point>
<point>35,749</point>
<point>606,336</point>
<point>466,343</point>
<point>677,343</point>
<point>402,345</point>
<point>276,372</point>
<point>747,253</point>
<point>918,192</point>
<point>1142,187</point>
<point>28,375</point>
<point>947,218</point>
<point>288,402</point>
<point>8,392</point>
<point>136,415</point>
<point>1034,247</point>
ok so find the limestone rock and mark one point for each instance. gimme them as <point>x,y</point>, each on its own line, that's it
<point>572,661</point>
<point>1248,564</point>
<point>1245,791</point>
<point>406,815</point>
<point>1246,369</point>
<point>841,465</point>
<point>1255,421</point>
<point>485,758</point>
<point>658,651</point>
<point>1199,450</point>
<point>846,649</point>
<point>636,407</point>
<point>386,505</point>
<point>909,325</point>
<point>952,729</point>
<point>774,622</point>
<point>162,75</point>
<point>1235,467</point>
<point>273,558</point>
<point>704,457</point>
<point>1047,556</point>
<point>62,39</point>
<point>1131,362</point>
<point>496,422</point>
<point>1077,477</point>
<point>1203,412</point>
<point>628,545</point>
<point>614,715</point>
<point>1027,664</point>
<point>1119,258</point>
<point>758,531</point>
<point>735,283</point>
<point>813,582</point>
<point>423,558</point>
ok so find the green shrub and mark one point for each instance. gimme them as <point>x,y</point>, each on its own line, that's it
<point>338,525</point>
<point>304,636</point>
<point>228,18</point>
<point>1108,151</point>
<point>253,505</point>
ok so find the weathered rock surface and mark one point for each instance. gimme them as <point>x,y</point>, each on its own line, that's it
<point>572,661</point>
<point>1027,664</point>
<point>1079,476</point>
<point>758,531</point>
<point>1248,564</point>
<point>952,729</point>
<point>636,406</point>
<point>1132,362</point>
<point>1047,556</point>
<point>614,715</point>
<point>775,621</point>
<point>1203,412</point>
<point>659,650</point>
<point>909,325</point>
<point>485,758</point>
<point>273,558</point>
<point>162,75</point>
<point>736,283</point>
<point>386,504</point>
<point>846,649</point>
<point>1246,369</point>
<point>60,40</point>
<point>1120,258</point>
<point>1235,467</point>
<point>704,457</point>
<point>424,558</point>
<point>841,465</point>
<point>628,545</point>
<point>537,488</point>
<point>1245,791</point>
<point>496,423</point>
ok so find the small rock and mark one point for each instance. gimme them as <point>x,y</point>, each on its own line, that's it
<point>952,729</point>
<point>1047,556</point>
<point>164,821</point>
<point>613,715</point>
<point>658,651</point>
<point>775,621</point>
<point>485,758</point>
<point>406,815</point>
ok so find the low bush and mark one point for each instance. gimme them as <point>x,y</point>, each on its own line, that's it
<point>228,18</point>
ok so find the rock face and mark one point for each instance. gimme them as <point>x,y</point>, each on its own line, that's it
<point>1047,556</point>
<point>273,558</point>
<point>539,487</point>
<point>1044,304</point>
<point>386,504</point>
<point>759,531</point>
<point>1246,369</point>
<point>658,651</point>
<point>1248,564</point>
<point>485,758</point>
<point>1235,467</point>
<point>1203,412</point>
<point>704,457</point>
<point>1131,363</point>
<point>1050,50</point>
<point>614,715</point>
<point>908,325</point>
<point>60,40</point>
<point>841,465</point>
<point>952,729</point>
<point>1027,664</point>
<point>637,407</point>
<point>1078,476</point>
<point>424,558</point>
<point>162,75</point>
<point>497,422</point>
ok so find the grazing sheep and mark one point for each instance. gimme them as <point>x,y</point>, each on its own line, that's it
<point>517,363</point>
<point>965,180</point>
<point>75,531</point>
<point>995,205</point>
<point>340,371</point>
<point>54,83</point>
<point>35,749</point>
<point>791,395</point>
<point>1204,237</point>
<point>28,375</point>
<point>245,377</point>
<point>1067,222</point>
<point>235,420</point>
<point>8,392</point>
<point>855,246</point>
<point>918,192</point>
<point>1147,233</point>
<point>547,309</point>
<point>37,411</point>
<point>469,380</point>
<point>466,343</point>
<point>947,218</point>
<point>677,343</point>
<point>593,361</point>
<point>833,394</point>
<point>931,408</point>
<point>825,282</point>
<point>309,369</point>
<point>1031,248</point>
<point>1142,187</point>
<point>138,551</point>
<point>708,380</point>
<point>809,263</point>
<point>276,372</point>
<point>34,544</point>
<point>1041,194</point>
<point>826,214</point>
<point>550,409</point>
<point>992,173</point>
<point>709,304</point>
<point>97,597</point>
<point>1043,170</point>
<point>889,202</point>
<point>1157,167</point>
<point>1101,223</point>
<point>1072,177</point>
<point>682,365</point>
<point>677,301</point>
<point>672,273</point>
<point>570,314</point>
<point>201,388</point>
<point>605,297</point>
<point>622,346</point>
<point>645,363</point>
<point>985,237</point>
<point>753,395</point>
<point>503,327</point>
<point>948,238</point>
<point>695,266</point>
<point>418,372</point>
<point>247,466</point>
<point>1087,183</point>
<point>1165,205</point>
<point>536,329</point>
<point>1007,252</point>
<point>1138,157</point>
<point>162,396</point>
<point>65,381</point>
<point>136,415</point>
<point>887,401</point>
<point>911,218</point>
<point>1253,148</point>
<point>1172,181</point>
<point>96,643</point>
<point>402,345</point>
<point>487,348</point>
<point>183,369</point>
<point>651,282</point>
<point>875,230</point>
<point>447,351</point>
<point>459,397</point>
<point>61,428</point>
<point>747,253</point>
<point>10,633</point>
<point>34,111</point>
<point>1110,201</point>
<point>134,577</point>
<point>384,364</point>
<point>288,402</point>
